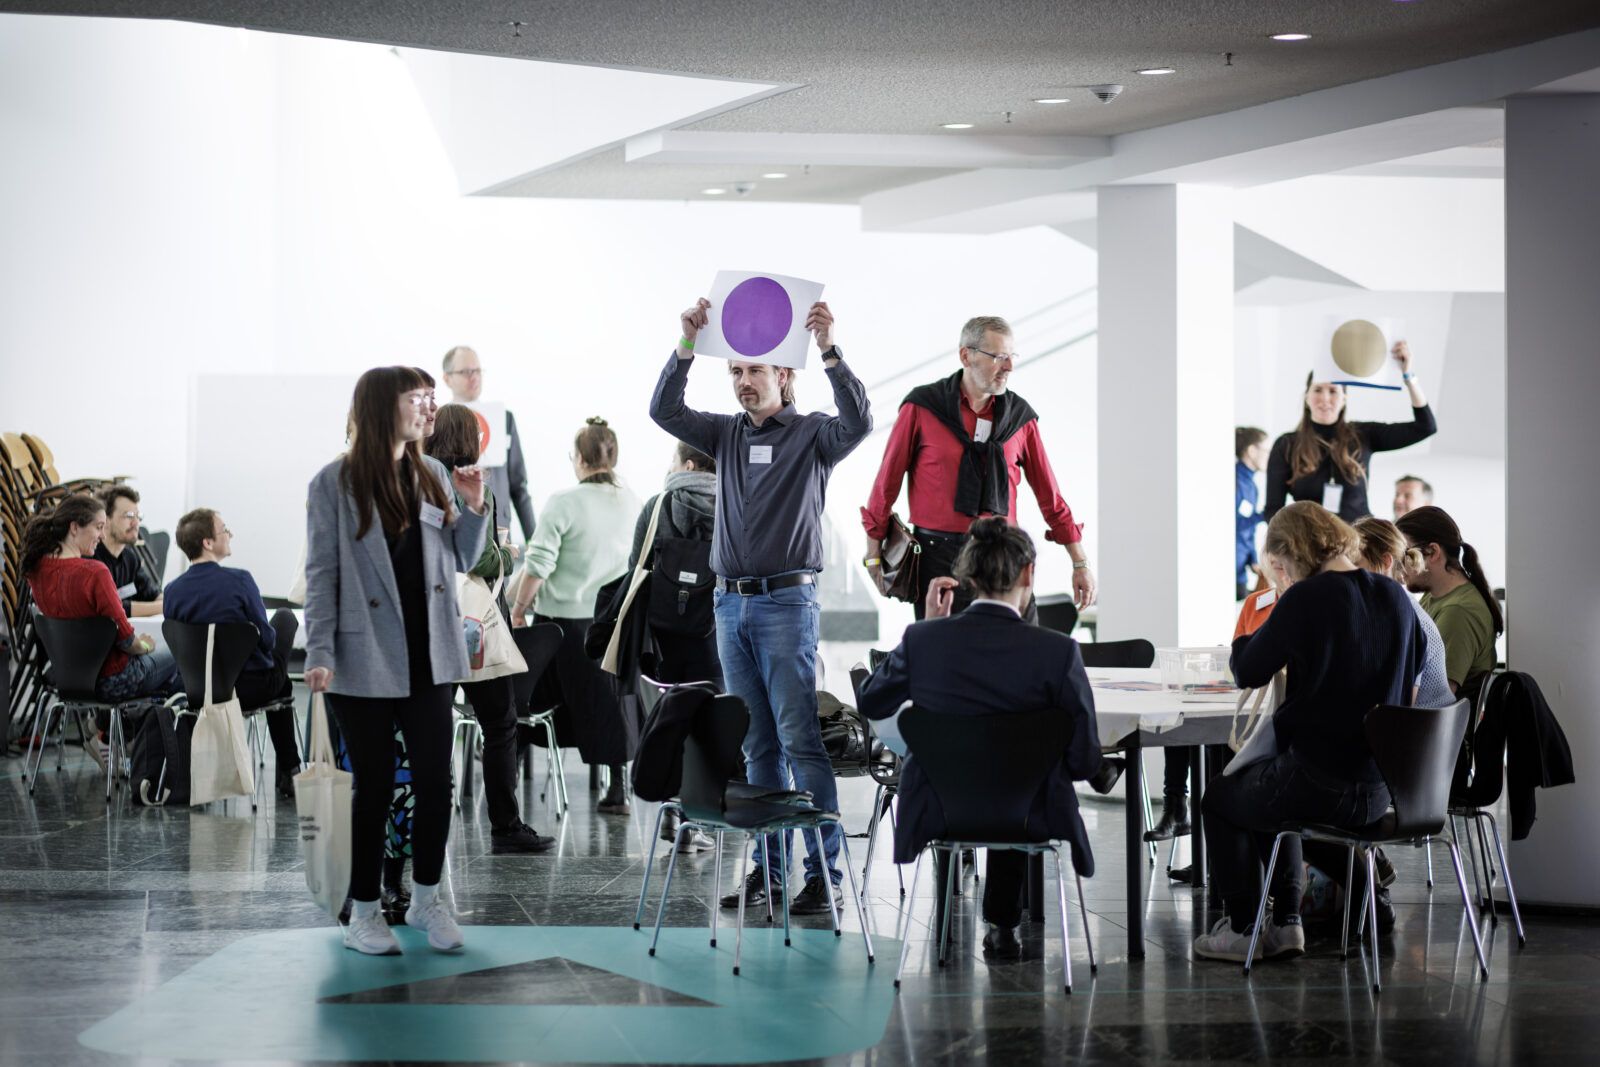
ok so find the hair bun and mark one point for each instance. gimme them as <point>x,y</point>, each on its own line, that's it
<point>595,420</point>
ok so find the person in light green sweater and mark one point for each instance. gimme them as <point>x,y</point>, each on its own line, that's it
<point>582,543</point>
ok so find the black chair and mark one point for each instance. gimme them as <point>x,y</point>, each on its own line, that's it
<point>1415,749</point>
<point>884,769</point>
<point>539,645</point>
<point>1479,782</point>
<point>1135,653</point>
<point>76,649</point>
<point>716,802</point>
<point>986,771</point>
<point>1057,612</point>
<point>235,642</point>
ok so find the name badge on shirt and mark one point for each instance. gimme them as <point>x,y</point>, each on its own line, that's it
<point>1245,510</point>
<point>1332,496</point>
<point>433,516</point>
<point>126,592</point>
<point>981,432</point>
<point>1264,600</point>
<point>760,453</point>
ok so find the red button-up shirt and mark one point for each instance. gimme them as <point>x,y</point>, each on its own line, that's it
<point>923,447</point>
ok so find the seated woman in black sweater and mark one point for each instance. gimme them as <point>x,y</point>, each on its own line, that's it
<point>1351,641</point>
<point>1327,459</point>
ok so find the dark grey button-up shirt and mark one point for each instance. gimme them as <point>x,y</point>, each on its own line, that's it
<point>771,479</point>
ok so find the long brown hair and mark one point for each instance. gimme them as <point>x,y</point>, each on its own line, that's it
<point>1308,448</point>
<point>46,530</point>
<point>1433,526</point>
<point>370,473</point>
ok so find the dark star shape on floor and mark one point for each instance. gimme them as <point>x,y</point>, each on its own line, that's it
<point>554,980</point>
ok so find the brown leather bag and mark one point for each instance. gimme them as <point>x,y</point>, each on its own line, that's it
<point>901,555</point>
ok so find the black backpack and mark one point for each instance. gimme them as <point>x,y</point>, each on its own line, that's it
<point>159,762</point>
<point>681,584</point>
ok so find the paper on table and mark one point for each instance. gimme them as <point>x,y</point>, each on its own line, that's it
<point>758,317</point>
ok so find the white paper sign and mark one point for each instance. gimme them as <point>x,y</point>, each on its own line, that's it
<point>758,317</point>
<point>1355,353</point>
<point>494,437</point>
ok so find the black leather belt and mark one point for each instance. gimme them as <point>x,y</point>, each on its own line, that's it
<point>757,586</point>
<point>938,535</point>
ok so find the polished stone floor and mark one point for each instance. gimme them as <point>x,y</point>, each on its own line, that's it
<point>148,935</point>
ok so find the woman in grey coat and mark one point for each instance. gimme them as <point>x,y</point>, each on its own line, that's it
<point>384,541</point>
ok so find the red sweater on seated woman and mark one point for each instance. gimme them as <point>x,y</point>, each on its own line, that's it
<point>69,583</point>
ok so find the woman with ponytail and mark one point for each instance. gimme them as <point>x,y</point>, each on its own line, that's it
<point>1327,459</point>
<point>1456,593</point>
<point>1384,551</point>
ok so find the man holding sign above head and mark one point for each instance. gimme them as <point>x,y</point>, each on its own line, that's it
<point>508,476</point>
<point>966,442</point>
<point>772,465</point>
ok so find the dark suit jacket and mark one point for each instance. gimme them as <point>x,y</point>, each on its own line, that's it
<point>988,661</point>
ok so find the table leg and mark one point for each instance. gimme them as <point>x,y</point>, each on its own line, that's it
<point>1197,836</point>
<point>1133,818</point>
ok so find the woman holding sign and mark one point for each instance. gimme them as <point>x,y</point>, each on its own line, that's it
<point>1327,459</point>
<point>384,541</point>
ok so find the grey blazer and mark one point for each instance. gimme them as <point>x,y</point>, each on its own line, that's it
<point>353,622</point>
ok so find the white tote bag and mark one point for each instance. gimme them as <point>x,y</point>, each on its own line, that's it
<point>1257,741</point>
<point>608,663</point>
<point>322,798</point>
<point>491,650</point>
<point>220,764</point>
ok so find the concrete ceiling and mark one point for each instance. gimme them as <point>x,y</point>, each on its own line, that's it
<point>899,68</point>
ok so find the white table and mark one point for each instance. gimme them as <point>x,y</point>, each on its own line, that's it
<point>1133,721</point>
<point>150,626</point>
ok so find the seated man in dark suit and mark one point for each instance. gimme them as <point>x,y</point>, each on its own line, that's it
<point>988,661</point>
<point>210,593</point>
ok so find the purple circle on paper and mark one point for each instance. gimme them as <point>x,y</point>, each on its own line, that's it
<point>756,317</point>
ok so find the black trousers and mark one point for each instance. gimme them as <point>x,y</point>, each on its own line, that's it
<point>263,686</point>
<point>1175,775</point>
<point>938,560</point>
<point>1005,874</point>
<point>687,659</point>
<point>494,704</point>
<point>1243,812</point>
<point>368,725</point>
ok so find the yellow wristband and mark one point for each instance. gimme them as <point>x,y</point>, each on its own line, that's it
<point>875,561</point>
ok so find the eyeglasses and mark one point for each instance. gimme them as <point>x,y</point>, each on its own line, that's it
<point>470,372</point>
<point>998,356</point>
<point>134,515</point>
<point>432,400</point>
<point>416,400</point>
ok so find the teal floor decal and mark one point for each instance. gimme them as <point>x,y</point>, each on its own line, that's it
<point>528,993</point>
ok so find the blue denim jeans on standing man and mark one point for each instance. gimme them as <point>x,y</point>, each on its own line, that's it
<point>768,647</point>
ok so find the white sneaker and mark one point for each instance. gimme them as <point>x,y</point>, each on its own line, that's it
<point>1282,942</point>
<point>370,934</point>
<point>695,841</point>
<point>431,915</point>
<point>1223,944</point>
<point>98,751</point>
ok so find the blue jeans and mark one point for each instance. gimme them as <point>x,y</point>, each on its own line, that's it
<point>768,647</point>
<point>154,674</point>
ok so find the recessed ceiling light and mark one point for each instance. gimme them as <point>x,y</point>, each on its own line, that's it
<point>1050,100</point>
<point>775,175</point>
<point>713,192</point>
<point>1291,36</point>
<point>1157,70</point>
<point>956,125</point>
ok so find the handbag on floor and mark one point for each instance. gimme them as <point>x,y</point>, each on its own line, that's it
<point>1258,741</point>
<point>220,763</point>
<point>323,794</point>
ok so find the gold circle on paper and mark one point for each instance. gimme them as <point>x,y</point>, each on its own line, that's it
<point>1358,348</point>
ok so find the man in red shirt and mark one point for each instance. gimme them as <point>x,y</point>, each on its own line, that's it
<point>965,442</point>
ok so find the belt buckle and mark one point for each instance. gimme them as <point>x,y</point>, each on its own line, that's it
<point>754,586</point>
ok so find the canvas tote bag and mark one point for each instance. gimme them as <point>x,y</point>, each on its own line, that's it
<point>322,798</point>
<point>491,650</point>
<point>220,764</point>
<point>1256,740</point>
<point>640,573</point>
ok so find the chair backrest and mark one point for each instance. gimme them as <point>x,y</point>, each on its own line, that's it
<point>1057,612</point>
<point>1480,782</point>
<point>1135,653</point>
<point>538,645</point>
<point>156,546</point>
<point>987,769</point>
<point>713,755</point>
<point>187,640</point>
<point>885,769</point>
<point>77,649</point>
<point>1415,749</point>
<point>44,459</point>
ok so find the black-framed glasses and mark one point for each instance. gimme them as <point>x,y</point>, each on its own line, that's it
<point>998,356</point>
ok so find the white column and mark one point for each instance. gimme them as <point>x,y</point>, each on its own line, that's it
<point>1166,414</point>
<point>1552,439</point>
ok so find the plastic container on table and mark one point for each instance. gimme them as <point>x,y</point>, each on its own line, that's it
<point>1196,670</point>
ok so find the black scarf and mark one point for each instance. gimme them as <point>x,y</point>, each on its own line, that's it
<point>982,485</point>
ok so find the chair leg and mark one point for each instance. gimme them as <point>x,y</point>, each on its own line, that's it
<point>649,862</point>
<point>766,872</point>
<point>952,876</point>
<point>1066,935</point>
<point>1472,917</point>
<point>744,876</point>
<point>1349,892</point>
<point>905,941</point>
<point>716,887</point>
<point>827,879</point>
<point>113,735</point>
<point>894,827</point>
<point>1149,812</point>
<point>1505,872</point>
<point>61,739</point>
<point>1482,840</point>
<point>1472,856</point>
<point>666,887</point>
<point>49,712</point>
<point>878,812</point>
<point>1083,910</point>
<point>856,895</point>
<point>1261,908</point>
<point>1427,852</point>
<point>783,877</point>
<point>1372,918</point>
